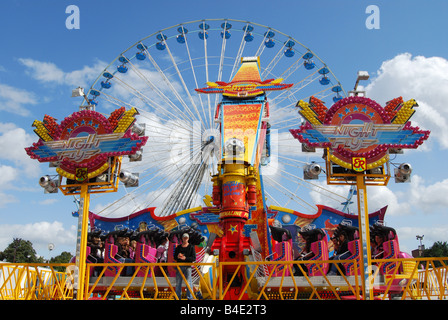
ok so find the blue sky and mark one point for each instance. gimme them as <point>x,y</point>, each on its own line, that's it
<point>41,61</point>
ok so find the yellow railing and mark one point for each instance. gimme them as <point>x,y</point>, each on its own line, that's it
<point>421,278</point>
<point>154,282</point>
<point>34,282</point>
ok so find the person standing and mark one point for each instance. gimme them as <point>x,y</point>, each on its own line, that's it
<point>184,252</point>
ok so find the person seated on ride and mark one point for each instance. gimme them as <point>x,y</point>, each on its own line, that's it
<point>380,235</point>
<point>377,238</point>
<point>162,250</point>
<point>132,249</point>
<point>343,234</point>
<point>309,236</point>
<point>96,250</point>
<point>281,248</point>
<point>96,246</point>
<point>124,253</point>
<point>334,239</point>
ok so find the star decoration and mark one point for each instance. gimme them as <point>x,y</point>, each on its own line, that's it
<point>233,229</point>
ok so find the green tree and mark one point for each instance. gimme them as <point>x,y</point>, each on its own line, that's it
<point>438,249</point>
<point>20,251</point>
<point>64,257</point>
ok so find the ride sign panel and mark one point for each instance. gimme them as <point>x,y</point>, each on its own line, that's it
<point>84,141</point>
<point>357,131</point>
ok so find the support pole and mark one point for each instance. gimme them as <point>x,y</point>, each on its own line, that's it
<point>363,221</point>
<point>81,241</point>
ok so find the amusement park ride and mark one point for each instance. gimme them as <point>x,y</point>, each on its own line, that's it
<point>356,135</point>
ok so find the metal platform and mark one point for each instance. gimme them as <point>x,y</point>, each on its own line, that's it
<point>137,282</point>
<point>315,281</point>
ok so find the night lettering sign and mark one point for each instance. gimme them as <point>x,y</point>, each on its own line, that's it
<point>358,131</point>
<point>84,141</point>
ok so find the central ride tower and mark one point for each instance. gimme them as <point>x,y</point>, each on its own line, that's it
<point>243,116</point>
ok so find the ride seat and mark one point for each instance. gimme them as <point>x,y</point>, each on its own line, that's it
<point>110,251</point>
<point>391,251</point>
<point>320,250</point>
<point>354,248</point>
<point>144,254</point>
<point>282,242</point>
<point>284,253</point>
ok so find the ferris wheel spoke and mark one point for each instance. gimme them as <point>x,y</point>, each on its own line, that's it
<point>296,87</point>
<point>312,186</point>
<point>116,101</point>
<point>149,102</point>
<point>206,69</point>
<point>291,195</point>
<point>262,45</point>
<point>155,88</point>
<point>284,124</point>
<point>187,116</point>
<point>286,117</point>
<point>267,71</point>
<point>166,180</point>
<point>239,53</point>
<point>165,127</point>
<point>145,99</point>
<point>296,161</point>
<point>187,91</point>
<point>292,69</point>
<point>321,94</point>
<point>193,70</point>
<point>271,198</point>
<point>221,62</point>
<point>181,196</point>
<point>170,85</point>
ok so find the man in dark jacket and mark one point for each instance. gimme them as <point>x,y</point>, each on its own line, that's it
<point>184,252</point>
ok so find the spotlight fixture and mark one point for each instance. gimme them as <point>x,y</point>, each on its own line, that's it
<point>129,179</point>
<point>139,129</point>
<point>50,185</point>
<point>137,156</point>
<point>311,171</point>
<point>234,147</point>
<point>403,173</point>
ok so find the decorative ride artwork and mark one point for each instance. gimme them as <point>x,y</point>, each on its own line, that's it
<point>82,144</point>
<point>358,131</point>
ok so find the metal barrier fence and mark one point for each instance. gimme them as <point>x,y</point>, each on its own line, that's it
<point>34,282</point>
<point>421,278</point>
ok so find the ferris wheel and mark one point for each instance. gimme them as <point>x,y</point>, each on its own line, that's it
<point>158,76</point>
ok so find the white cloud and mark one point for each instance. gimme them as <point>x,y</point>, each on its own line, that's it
<point>8,174</point>
<point>431,234</point>
<point>6,198</point>
<point>417,198</point>
<point>15,165</point>
<point>15,140</point>
<point>420,78</point>
<point>48,72</point>
<point>47,202</point>
<point>428,198</point>
<point>14,100</point>
<point>40,234</point>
